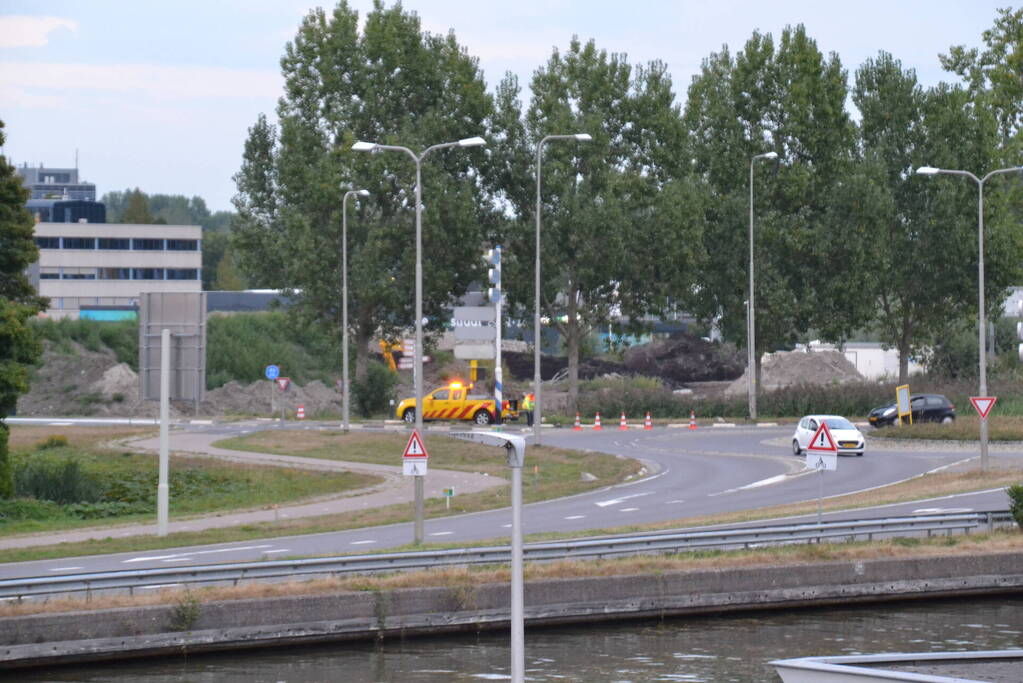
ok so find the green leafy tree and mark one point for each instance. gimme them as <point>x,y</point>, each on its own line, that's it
<point>19,347</point>
<point>392,84</point>
<point>811,219</point>
<point>620,224</point>
<point>136,210</point>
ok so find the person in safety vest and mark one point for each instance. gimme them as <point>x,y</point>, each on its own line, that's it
<point>528,401</point>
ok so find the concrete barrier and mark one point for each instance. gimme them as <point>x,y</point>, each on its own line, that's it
<point>191,626</point>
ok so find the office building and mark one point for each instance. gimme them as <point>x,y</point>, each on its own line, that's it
<point>55,183</point>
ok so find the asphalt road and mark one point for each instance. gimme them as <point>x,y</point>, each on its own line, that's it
<point>688,473</point>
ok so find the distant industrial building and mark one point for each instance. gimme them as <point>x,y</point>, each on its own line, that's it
<point>55,183</point>
<point>67,211</point>
<point>94,267</point>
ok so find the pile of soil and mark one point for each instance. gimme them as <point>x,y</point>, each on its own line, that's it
<point>682,359</point>
<point>235,398</point>
<point>791,368</point>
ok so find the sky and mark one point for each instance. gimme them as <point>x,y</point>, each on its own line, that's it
<point>160,95</point>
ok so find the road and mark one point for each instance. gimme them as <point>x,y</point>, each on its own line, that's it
<point>687,473</point>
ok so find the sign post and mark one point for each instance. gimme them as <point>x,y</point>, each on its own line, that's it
<point>821,454</point>
<point>283,383</point>
<point>902,403</point>
<point>515,448</point>
<point>272,372</point>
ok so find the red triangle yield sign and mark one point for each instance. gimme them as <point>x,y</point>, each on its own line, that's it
<point>822,442</point>
<point>415,448</point>
<point>983,405</point>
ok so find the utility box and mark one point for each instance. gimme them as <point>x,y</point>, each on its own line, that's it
<point>184,314</point>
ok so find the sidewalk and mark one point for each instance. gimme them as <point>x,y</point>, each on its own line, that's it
<point>395,488</point>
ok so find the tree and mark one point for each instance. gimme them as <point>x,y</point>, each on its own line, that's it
<point>393,84</point>
<point>619,222</point>
<point>809,221</point>
<point>19,347</point>
<point>136,210</point>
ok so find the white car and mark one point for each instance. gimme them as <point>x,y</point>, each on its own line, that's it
<point>848,439</point>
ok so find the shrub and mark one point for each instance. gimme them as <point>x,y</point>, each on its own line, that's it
<point>1016,503</point>
<point>17,509</point>
<point>62,481</point>
<point>374,394</point>
<point>52,441</point>
<point>6,469</point>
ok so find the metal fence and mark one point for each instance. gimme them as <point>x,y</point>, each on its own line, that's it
<point>591,548</point>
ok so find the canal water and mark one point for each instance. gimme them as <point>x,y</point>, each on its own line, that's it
<point>721,648</point>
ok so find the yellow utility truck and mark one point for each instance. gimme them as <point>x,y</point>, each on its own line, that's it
<point>456,401</point>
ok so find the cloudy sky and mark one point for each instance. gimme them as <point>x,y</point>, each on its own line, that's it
<point>159,95</point>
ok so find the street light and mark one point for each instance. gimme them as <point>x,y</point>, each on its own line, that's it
<point>751,363</point>
<point>931,171</point>
<point>362,146</point>
<point>344,302</point>
<point>581,137</point>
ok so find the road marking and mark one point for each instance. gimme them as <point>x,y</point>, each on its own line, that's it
<point>615,501</point>
<point>274,552</point>
<point>628,509</point>
<point>673,502</point>
<point>63,569</point>
<point>575,517</point>
<point>941,511</point>
<point>152,558</point>
<point>756,484</point>
<point>361,542</point>
<point>442,533</point>
<point>506,526</point>
<point>179,559</point>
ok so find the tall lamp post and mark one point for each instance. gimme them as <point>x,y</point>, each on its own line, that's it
<point>581,137</point>
<point>981,324</point>
<point>751,363</point>
<point>345,393</point>
<point>362,146</point>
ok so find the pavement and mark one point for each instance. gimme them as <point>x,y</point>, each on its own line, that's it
<point>395,488</point>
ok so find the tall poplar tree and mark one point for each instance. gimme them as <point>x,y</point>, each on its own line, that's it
<point>392,83</point>
<point>618,225</point>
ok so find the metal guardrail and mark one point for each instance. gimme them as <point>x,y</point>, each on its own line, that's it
<point>746,537</point>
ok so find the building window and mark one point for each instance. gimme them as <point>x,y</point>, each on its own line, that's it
<point>182,274</point>
<point>71,273</point>
<point>115,273</point>
<point>147,273</point>
<point>182,245</point>
<point>48,242</point>
<point>114,243</point>
<point>147,244</point>
<point>49,273</point>
<point>79,243</point>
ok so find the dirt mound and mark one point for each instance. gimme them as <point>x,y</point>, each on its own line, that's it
<point>235,398</point>
<point>790,368</point>
<point>683,358</point>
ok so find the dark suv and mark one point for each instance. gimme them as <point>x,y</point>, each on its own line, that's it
<point>925,407</point>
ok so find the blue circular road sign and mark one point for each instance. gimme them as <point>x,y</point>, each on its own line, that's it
<point>272,371</point>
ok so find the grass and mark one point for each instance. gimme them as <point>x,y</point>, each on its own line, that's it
<point>198,485</point>
<point>462,577</point>
<point>549,473</point>
<point>965,428</point>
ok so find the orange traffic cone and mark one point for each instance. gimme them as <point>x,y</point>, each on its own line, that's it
<point>578,427</point>
<point>647,424</point>
<point>692,419</point>
<point>596,422</point>
<point>623,425</point>
<point>301,412</point>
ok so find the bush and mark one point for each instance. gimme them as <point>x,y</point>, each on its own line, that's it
<point>121,337</point>
<point>52,441</point>
<point>6,469</point>
<point>18,509</point>
<point>62,481</point>
<point>374,395</point>
<point>1016,503</point>
<point>104,509</point>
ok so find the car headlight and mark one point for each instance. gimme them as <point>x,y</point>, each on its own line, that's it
<point>889,412</point>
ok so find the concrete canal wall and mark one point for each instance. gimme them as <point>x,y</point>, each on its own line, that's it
<point>195,627</point>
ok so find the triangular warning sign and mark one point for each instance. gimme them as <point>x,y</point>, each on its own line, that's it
<point>415,448</point>
<point>822,442</point>
<point>983,405</point>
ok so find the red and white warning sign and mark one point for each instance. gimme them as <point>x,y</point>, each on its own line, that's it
<point>415,448</point>
<point>415,457</point>
<point>283,383</point>
<point>983,405</point>
<point>822,441</point>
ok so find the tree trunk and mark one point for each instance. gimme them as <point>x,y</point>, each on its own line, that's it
<point>363,335</point>
<point>572,329</point>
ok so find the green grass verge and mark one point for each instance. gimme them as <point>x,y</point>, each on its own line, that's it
<point>965,428</point>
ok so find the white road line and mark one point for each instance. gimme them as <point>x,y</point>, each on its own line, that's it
<point>575,517</point>
<point>361,542</point>
<point>941,511</point>
<point>615,501</point>
<point>179,559</point>
<point>63,569</point>
<point>506,526</point>
<point>442,533</point>
<point>756,484</point>
<point>274,552</point>
<point>673,502</point>
<point>150,558</point>
<point>628,509</point>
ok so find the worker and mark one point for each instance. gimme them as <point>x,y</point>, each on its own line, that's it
<point>528,401</point>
